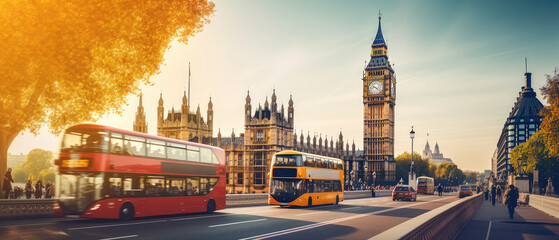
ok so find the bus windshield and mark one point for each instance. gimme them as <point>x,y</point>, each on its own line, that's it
<point>422,180</point>
<point>288,160</point>
<point>85,140</point>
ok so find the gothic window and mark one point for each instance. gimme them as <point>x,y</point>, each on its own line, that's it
<point>240,160</point>
<point>259,178</point>
<point>260,134</point>
<point>240,178</point>
<point>259,158</point>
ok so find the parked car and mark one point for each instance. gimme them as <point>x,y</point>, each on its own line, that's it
<point>404,192</point>
<point>466,190</point>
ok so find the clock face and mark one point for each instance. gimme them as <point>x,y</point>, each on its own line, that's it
<point>393,89</point>
<point>375,87</point>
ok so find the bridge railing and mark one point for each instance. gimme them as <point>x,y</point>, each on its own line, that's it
<point>20,208</point>
<point>444,222</point>
<point>549,205</point>
<point>17,208</point>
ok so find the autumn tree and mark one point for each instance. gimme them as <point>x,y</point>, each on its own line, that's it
<point>69,61</point>
<point>403,163</point>
<point>37,166</point>
<point>535,152</point>
<point>550,122</point>
<point>449,174</point>
<point>472,177</point>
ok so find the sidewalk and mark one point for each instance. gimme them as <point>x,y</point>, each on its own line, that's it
<point>493,222</point>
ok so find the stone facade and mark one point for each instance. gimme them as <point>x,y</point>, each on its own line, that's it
<point>184,124</point>
<point>379,99</point>
<point>140,124</point>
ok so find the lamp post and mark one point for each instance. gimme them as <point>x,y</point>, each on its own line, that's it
<point>374,178</point>
<point>411,181</point>
<point>366,175</point>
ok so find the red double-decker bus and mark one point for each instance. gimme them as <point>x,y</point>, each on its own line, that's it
<point>106,172</point>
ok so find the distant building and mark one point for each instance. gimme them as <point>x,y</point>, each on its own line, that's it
<point>140,124</point>
<point>435,157</point>
<point>522,122</point>
<point>184,124</point>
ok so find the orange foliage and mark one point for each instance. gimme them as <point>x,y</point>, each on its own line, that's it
<point>550,122</point>
<point>69,61</point>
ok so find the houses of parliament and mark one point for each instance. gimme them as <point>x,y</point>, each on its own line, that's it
<point>270,128</point>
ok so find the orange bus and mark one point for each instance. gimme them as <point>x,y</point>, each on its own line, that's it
<point>302,179</point>
<point>105,172</point>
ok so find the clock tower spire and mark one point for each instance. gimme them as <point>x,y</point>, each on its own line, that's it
<point>379,100</point>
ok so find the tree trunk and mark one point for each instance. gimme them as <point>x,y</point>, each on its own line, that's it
<point>5,142</point>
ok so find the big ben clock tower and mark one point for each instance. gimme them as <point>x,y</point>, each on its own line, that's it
<point>379,99</point>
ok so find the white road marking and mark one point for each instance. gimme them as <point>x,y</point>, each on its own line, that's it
<point>113,238</point>
<point>350,208</point>
<point>234,223</point>
<point>488,230</point>
<point>115,225</point>
<point>189,218</point>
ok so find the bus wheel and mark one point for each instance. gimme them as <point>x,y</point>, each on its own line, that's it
<point>337,200</point>
<point>126,211</point>
<point>310,202</point>
<point>211,206</point>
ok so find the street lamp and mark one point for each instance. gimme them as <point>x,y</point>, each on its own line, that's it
<point>374,178</point>
<point>366,174</point>
<point>412,168</point>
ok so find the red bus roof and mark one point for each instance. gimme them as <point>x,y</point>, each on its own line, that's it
<point>97,126</point>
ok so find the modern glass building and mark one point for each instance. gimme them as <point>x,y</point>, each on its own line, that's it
<point>522,122</point>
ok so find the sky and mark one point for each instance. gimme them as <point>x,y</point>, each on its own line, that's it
<point>459,67</point>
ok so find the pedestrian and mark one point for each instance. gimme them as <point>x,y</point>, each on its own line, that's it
<point>8,180</point>
<point>39,189</point>
<point>373,191</point>
<point>47,189</point>
<point>29,189</point>
<point>493,194</point>
<point>486,193</point>
<point>511,198</point>
<point>499,192</point>
<point>440,189</point>
<point>51,191</point>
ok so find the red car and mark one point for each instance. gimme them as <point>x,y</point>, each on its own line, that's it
<point>404,192</point>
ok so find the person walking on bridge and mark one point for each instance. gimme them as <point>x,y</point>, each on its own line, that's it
<point>8,180</point>
<point>499,193</point>
<point>493,194</point>
<point>440,189</point>
<point>511,198</point>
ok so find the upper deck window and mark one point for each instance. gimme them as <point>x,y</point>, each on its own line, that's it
<point>85,140</point>
<point>288,160</point>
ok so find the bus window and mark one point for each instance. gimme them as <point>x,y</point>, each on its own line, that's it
<point>84,140</point>
<point>156,148</point>
<point>193,154</point>
<point>134,146</point>
<point>116,143</point>
<point>175,186</point>
<point>288,160</point>
<point>205,155</point>
<point>154,186</point>
<point>192,186</point>
<point>176,151</point>
<point>216,161</point>
<point>115,187</point>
